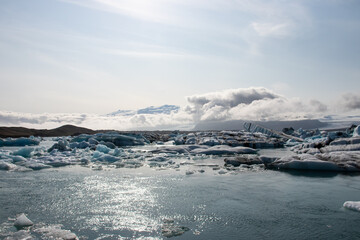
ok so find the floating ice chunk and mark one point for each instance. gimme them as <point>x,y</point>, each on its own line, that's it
<point>336,148</point>
<point>102,148</point>
<point>169,229</point>
<point>291,142</point>
<point>158,159</point>
<point>349,161</point>
<point>118,152</point>
<point>19,235</point>
<point>345,141</point>
<point>174,149</point>
<point>80,145</point>
<point>36,165</point>
<point>189,172</point>
<point>356,132</point>
<point>222,171</point>
<point>307,162</point>
<point>121,140</point>
<point>223,149</point>
<point>93,141</point>
<point>352,205</point>
<point>108,158</point>
<point>61,145</point>
<point>237,161</point>
<point>108,144</point>
<point>18,142</point>
<point>55,232</point>
<point>7,166</point>
<point>209,141</point>
<point>25,152</point>
<point>97,167</point>
<point>266,159</point>
<point>128,163</point>
<point>22,221</point>
<point>16,159</point>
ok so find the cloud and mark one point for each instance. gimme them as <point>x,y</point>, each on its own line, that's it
<point>271,29</point>
<point>350,101</point>
<point>257,104</point>
<point>215,105</point>
<point>179,120</point>
<point>318,106</point>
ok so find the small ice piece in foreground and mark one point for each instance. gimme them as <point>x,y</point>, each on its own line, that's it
<point>222,171</point>
<point>22,221</point>
<point>352,205</point>
<point>169,229</point>
<point>188,172</point>
<point>55,232</point>
<point>7,166</point>
<point>22,234</point>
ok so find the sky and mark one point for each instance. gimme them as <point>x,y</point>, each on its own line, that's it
<point>75,61</point>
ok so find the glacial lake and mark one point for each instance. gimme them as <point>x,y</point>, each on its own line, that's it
<point>119,203</point>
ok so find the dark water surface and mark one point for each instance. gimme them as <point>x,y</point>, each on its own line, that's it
<point>132,203</point>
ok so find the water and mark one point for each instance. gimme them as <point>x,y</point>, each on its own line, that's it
<point>132,203</point>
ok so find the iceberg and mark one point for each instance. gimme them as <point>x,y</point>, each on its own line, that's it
<point>102,148</point>
<point>24,152</point>
<point>237,161</point>
<point>356,132</point>
<point>19,142</point>
<point>319,162</point>
<point>56,232</point>
<point>22,221</point>
<point>223,149</point>
<point>7,166</point>
<point>352,205</point>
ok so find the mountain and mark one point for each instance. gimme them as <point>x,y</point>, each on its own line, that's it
<point>66,130</point>
<point>164,109</point>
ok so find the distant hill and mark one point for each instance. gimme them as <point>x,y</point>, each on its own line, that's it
<point>66,130</point>
<point>275,125</point>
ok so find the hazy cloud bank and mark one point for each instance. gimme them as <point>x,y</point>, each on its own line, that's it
<point>258,104</point>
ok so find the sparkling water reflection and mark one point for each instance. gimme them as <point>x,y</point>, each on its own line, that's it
<point>132,203</point>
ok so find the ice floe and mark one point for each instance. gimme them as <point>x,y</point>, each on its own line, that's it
<point>238,160</point>
<point>335,151</point>
<point>169,229</point>
<point>319,162</point>
<point>19,142</point>
<point>352,205</point>
<point>223,149</point>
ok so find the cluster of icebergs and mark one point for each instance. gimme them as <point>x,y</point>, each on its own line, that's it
<point>27,230</point>
<point>311,150</point>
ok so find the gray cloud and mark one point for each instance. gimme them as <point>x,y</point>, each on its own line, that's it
<point>318,106</point>
<point>351,101</point>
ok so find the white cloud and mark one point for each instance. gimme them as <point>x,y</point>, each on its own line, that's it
<point>258,104</point>
<point>278,30</point>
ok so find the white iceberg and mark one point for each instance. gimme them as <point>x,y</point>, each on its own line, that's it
<point>223,149</point>
<point>352,205</point>
<point>22,221</point>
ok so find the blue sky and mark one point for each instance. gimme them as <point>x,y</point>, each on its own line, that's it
<point>97,56</point>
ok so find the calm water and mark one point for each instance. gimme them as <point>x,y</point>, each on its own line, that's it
<point>132,203</point>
